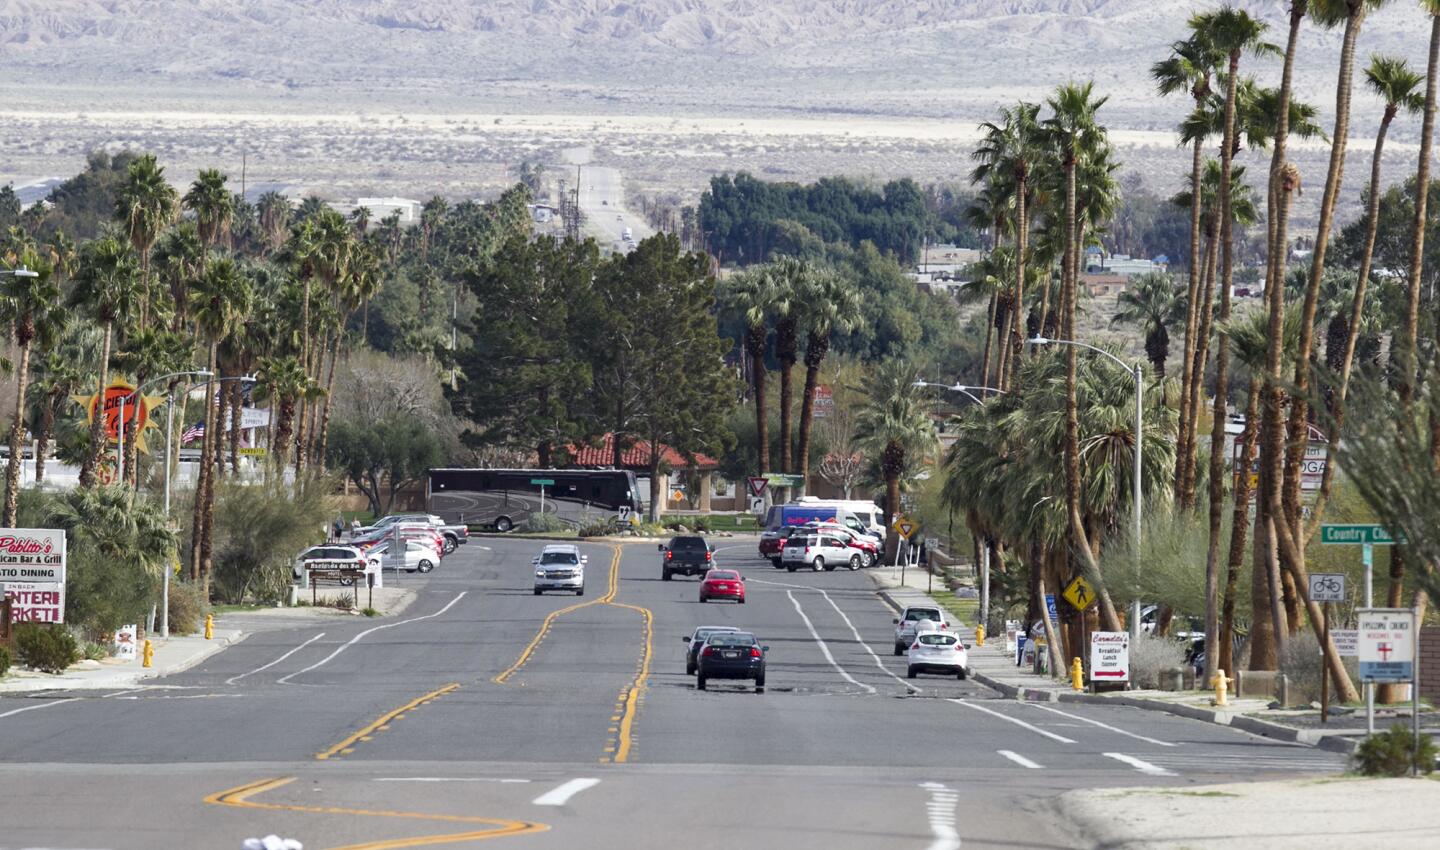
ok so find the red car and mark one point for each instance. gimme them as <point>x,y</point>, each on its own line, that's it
<point>723,584</point>
<point>772,543</point>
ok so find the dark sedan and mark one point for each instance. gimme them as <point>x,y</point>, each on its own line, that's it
<point>732,655</point>
<point>697,641</point>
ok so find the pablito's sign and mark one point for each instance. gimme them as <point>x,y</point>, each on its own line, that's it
<point>32,555</point>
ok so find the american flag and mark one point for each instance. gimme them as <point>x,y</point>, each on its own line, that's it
<point>193,433</point>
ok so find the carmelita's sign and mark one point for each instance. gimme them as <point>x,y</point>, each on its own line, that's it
<point>32,554</point>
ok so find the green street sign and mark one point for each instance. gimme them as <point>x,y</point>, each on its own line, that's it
<point>543,482</point>
<point>1372,535</point>
<point>783,479</point>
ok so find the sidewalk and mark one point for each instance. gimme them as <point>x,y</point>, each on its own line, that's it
<point>171,656</point>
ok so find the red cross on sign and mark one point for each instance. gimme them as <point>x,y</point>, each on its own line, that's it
<point>1384,649</point>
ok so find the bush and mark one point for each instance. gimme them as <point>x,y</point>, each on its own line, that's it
<point>1393,753</point>
<point>258,531</point>
<point>543,523</point>
<point>694,523</point>
<point>598,528</point>
<point>369,612</point>
<point>49,648</point>
<point>1151,656</point>
<point>94,651</point>
<point>4,661</point>
<point>187,608</point>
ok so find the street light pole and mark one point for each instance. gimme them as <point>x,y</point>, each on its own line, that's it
<point>1137,375</point>
<point>120,433</point>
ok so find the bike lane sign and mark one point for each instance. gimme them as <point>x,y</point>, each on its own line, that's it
<point>1327,587</point>
<point>1386,646</point>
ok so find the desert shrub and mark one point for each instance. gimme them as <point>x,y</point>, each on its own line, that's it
<point>4,661</point>
<point>93,651</point>
<point>1302,666</point>
<point>1151,656</point>
<point>344,602</point>
<point>543,524</point>
<point>598,528</point>
<point>49,648</point>
<point>1393,753</point>
<point>694,523</point>
<point>258,531</point>
<point>187,607</point>
<point>369,612</point>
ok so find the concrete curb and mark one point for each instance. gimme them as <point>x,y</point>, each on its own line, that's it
<point>124,677</point>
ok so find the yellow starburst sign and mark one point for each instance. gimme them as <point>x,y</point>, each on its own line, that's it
<point>137,411</point>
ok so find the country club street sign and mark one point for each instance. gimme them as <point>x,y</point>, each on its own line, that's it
<point>1375,535</point>
<point>1387,644</point>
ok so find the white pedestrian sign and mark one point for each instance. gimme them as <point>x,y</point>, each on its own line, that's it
<point>1110,656</point>
<point>1387,644</point>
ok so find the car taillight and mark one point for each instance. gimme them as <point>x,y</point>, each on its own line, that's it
<point>669,555</point>
<point>708,556</point>
<point>754,652</point>
<point>915,645</point>
<point>707,651</point>
<point>780,544</point>
<point>807,548</point>
<point>945,625</point>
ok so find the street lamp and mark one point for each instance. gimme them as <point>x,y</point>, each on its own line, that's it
<point>20,272</point>
<point>1135,373</point>
<point>960,388</point>
<point>120,435</point>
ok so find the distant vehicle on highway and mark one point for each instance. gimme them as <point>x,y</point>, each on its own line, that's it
<point>819,551</point>
<point>696,640</point>
<point>327,558</point>
<point>505,498</point>
<point>731,655</point>
<point>800,513</point>
<point>867,546</point>
<point>686,556</point>
<point>626,235</point>
<point>936,651</point>
<point>454,535</point>
<point>907,625</point>
<point>560,566</point>
<point>722,584</point>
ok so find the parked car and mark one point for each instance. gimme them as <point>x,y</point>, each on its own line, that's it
<point>328,557</point>
<point>409,555</point>
<point>696,641</point>
<point>772,543</point>
<point>453,535</point>
<point>907,624</point>
<point>722,584</point>
<point>560,566</point>
<point>731,655</point>
<point>686,556</point>
<point>819,551</point>
<point>867,546</point>
<point>937,651</point>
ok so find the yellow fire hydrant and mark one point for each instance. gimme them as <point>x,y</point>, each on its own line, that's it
<point>1077,674</point>
<point>980,635</point>
<point>1222,686</point>
<point>209,626</point>
<point>147,655</point>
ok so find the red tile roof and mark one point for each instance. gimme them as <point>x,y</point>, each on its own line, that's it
<point>637,455</point>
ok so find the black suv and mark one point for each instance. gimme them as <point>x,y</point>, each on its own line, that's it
<point>689,556</point>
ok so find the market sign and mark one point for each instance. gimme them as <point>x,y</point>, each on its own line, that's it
<point>31,602</point>
<point>32,554</point>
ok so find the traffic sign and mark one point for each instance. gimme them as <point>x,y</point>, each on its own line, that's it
<point>1375,535</point>
<point>543,482</point>
<point>1079,593</point>
<point>783,479</point>
<point>1110,656</point>
<point>1327,587</point>
<point>757,485</point>
<point>1387,644</point>
<point>1050,609</point>
<point>903,526</point>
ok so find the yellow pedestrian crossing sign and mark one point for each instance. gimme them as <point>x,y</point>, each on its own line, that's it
<point>1079,593</point>
<point>903,526</point>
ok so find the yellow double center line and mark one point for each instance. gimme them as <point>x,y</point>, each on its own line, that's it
<point>240,798</point>
<point>345,746</point>
<point>628,705</point>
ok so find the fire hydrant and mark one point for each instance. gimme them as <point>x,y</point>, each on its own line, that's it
<point>1077,674</point>
<point>980,635</point>
<point>209,626</point>
<point>1222,685</point>
<point>147,655</point>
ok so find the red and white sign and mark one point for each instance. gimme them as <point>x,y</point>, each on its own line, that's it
<point>35,603</point>
<point>758,485</point>
<point>125,642</point>
<point>1110,656</point>
<point>32,554</point>
<point>824,403</point>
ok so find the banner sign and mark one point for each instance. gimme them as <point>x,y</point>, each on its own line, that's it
<point>35,603</point>
<point>32,554</point>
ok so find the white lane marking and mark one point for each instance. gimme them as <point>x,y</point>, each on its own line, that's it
<point>941,812</point>
<point>561,794</point>
<point>16,711</point>
<point>856,632</point>
<point>1140,765</point>
<point>1105,726</point>
<point>1018,759</point>
<point>823,648</point>
<point>331,657</point>
<point>448,779</point>
<point>1036,729</point>
<point>233,679</point>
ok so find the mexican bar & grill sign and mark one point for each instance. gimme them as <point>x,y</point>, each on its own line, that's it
<point>32,574</point>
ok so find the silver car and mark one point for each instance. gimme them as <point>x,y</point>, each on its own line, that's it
<point>560,566</point>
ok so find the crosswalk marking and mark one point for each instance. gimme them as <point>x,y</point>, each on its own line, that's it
<point>1140,764</point>
<point>1019,759</point>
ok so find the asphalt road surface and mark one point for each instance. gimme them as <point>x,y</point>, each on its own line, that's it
<point>484,713</point>
<point>602,200</point>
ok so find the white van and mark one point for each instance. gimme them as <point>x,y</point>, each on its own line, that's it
<point>868,513</point>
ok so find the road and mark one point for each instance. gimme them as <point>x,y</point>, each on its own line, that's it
<point>602,200</point>
<point>485,713</point>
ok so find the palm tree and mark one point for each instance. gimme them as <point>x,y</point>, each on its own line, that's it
<point>178,262</point>
<point>274,211</point>
<point>1410,336</point>
<point>990,211</point>
<point>147,352</point>
<point>64,370</point>
<point>146,204</point>
<point>832,305</point>
<point>108,285</point>
<point>1150,301</point>
<point>750,294</point>
<point>895,425</point>
<point>282,382</point>
<point>29,306</point>
<point>789,276</point>
<point>214,209</point>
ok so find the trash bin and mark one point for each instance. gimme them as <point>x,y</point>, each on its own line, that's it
<point>1172,679</point>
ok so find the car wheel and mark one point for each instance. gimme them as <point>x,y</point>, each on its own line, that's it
<point>909,672</point>
<point>689,669</point>
<point>818,564</point>
<point>703,600</point>
<point>538,591</point>
<point>778,564</point>
<point>699,683</point>
<point>899,649</point>
<point>760,685</point>
<point>580,592</point>
<point>872,559</point>
<point>424,566</point>
<point>665,575</point>
<point>503,524</point>
<point>962,674</point>
<point>450,545</point>
<point>854,562</point>
<point>742,600</point>
<point>790,567</point>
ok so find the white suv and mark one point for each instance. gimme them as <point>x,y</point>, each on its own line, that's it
<point>819,551</point>
<point>936,651</point>
<point>560,567</point>
<point>909,623</point>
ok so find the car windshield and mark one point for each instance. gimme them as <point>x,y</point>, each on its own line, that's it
<point>730,639</point>
<point>936,639</point>
<point>865,519</point>
<point>702,633</point>
<point>922,614</point>
<point>723,575</point>
<point>687,543</point>
<point>559,558</point>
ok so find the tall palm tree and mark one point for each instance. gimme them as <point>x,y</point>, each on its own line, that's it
<point>1150,301</point>
<point>64,370</point>
<point>831,305</point>
<point>282,383</point>
<point>178,262</point>
<point>896,427</point>
<point>146,204</point>
<point>1409,360</point>
<point>107,284</point>
<point>750,294</point>
<point>789,276</point>
<point>990,211</point>
<point>274,209</point>
<point>29,306</point>
<point>214,209</point>
<point>145,353</point>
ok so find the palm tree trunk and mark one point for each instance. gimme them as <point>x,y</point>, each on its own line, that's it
<point>1003,349</point>
<point>222,418</point>
<point>97,423</point>
<point>15,468</point>
<point>1239,528</point>
<point>1192,306</point>
<point>892,504</point>
<point>762,413</point>
<point>42,440</point>
<point>1204,315</point>
<point>325,416</point>
<point>236,420</point>
<point>203,472</point>
<point>786,393</point>
<point>1016,319</point>
<point>813,357</point>
<point>989,334</point>
<point>281,443</point>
